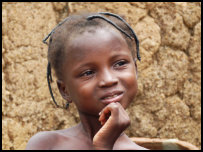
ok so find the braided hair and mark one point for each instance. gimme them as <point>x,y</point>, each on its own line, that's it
<point>76,24</point>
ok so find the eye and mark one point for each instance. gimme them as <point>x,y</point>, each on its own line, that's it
<point>87,73</point>
<point>120,64</point>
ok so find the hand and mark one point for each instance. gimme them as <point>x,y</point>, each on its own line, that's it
<point>114,120</point>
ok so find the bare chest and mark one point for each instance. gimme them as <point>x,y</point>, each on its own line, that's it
<point>70,143</point>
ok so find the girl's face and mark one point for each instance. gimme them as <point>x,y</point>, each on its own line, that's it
<point>99,69</point>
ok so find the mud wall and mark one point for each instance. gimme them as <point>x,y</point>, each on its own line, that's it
<point>168,104</point>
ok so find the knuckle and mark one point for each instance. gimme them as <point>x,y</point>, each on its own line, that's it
<point>114,106</point>
<point>126,123</point>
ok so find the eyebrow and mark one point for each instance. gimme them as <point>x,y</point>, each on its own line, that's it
<point>88,64</point>
<point>120,55</point>
<point>80,68</point>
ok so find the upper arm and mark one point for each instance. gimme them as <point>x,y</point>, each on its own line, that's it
<point>40,141</point>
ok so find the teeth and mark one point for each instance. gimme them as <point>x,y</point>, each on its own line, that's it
<point>111,96</point>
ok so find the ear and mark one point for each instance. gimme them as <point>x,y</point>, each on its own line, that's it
<point>136,67</point>
<point>63,91</point>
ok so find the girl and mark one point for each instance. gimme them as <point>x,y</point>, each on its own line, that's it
<point>94,59</point>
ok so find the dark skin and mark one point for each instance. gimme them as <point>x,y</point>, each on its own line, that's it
<point>100,78</point>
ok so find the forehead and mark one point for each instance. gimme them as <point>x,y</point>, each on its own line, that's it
<point>90,42</point>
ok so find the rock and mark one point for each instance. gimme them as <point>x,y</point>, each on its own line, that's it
<point>174,33</point>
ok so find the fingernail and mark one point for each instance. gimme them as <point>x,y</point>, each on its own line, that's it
<point>100,113</point>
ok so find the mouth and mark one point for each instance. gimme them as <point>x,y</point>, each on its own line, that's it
<point>115,96</point>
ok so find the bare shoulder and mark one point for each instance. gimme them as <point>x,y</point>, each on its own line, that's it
<point>42,141</point>
<point>57,139</point>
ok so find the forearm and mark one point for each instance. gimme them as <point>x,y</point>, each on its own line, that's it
<point>102,146</point>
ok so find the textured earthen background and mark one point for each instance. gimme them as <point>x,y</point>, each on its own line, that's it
<point>168,104</point>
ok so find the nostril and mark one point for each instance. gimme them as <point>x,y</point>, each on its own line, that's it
<point>108,83</point>
<point>107,78</point>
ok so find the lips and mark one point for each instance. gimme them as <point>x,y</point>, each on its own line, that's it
<point>110,97</point>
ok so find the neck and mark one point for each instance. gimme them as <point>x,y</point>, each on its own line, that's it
<point>89,124</point>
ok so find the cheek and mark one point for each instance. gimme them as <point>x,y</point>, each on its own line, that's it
<point>130,83</point>
<point>85,99</point>
<point>86,90</point>
<point>82,94</point>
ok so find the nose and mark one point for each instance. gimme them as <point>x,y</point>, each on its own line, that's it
<point>107,79</point>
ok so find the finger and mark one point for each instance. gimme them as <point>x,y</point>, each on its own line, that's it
<point>104,115</point>
<point>103,121</point>
<point>124,115</point>
<point>122,112</point>
<point>101,117</point>
<point>121,108</point>
<point>111,109</point>
<point>109,112</point>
